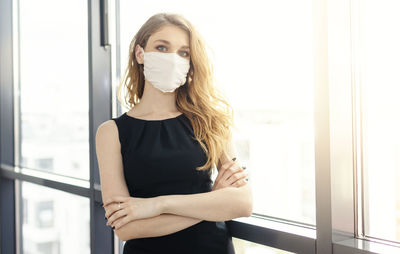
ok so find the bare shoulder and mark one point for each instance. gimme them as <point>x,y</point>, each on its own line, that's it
<point>107,131</point>
<point>108,126</point>
<point>107,140</point>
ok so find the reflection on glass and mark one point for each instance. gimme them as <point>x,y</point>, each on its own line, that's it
<point>54,86</point>
<point>262,53</point>
<point>246,247</point>
<point>380,90</point>
<point>54,221</point>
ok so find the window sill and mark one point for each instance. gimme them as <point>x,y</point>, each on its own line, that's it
<point>364,246</point>
<point>292,238</point>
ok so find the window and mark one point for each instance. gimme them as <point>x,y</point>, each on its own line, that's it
<point>58,221</point>
<point>49,63</point>
<point>48,248</point>
<point>378,90</point>
<point>54,86</point>
<point>45,214</point>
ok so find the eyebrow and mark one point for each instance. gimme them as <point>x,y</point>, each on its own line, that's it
<point>167,42</point>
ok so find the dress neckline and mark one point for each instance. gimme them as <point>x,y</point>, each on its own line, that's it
<point>159,120</point>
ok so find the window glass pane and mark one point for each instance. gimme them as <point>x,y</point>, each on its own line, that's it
<point>380,90</point>
<point>54,221</point>
<point>54,86</point>
<point>262,53</point>
<point>246,247</point>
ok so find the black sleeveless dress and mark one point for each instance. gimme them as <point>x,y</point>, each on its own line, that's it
<point>160,158</point>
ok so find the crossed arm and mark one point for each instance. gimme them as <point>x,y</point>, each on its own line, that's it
<point>219,205</point>
<point>160,225</point>
<point>177,212</point>
<point>174,212</point>
<point>182,211</point>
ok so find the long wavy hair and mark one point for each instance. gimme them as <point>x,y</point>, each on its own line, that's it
<point>199,99</point>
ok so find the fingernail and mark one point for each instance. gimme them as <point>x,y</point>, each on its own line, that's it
<point>234,159</point>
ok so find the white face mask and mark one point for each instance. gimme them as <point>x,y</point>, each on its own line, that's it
<point>165,71</point>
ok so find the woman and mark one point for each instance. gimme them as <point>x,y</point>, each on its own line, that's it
<point>156,160</point>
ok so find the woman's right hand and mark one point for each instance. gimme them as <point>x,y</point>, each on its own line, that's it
<point>230,174</point>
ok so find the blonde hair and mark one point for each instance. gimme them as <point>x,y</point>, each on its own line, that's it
<point>209,112</point>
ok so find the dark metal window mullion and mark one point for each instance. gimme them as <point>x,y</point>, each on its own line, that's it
<point>7,186</point>
<point>101,236</point>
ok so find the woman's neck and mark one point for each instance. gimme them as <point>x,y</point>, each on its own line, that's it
<point>155,101</point>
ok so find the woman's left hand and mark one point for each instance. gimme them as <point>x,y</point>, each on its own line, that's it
<point>130,209</point>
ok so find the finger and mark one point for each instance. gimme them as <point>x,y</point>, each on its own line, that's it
<point>240,183</point>
<point>226,165</point>
<point>113,208</point>
<point>224,168</point>
<point>236,177</point>
<point>114,199</point>
<point>230,171</point>
<point>116,216</point>
<point>109,211</point>
<point>112,217</point>
<point>121,222</point>
<point>221,171</point>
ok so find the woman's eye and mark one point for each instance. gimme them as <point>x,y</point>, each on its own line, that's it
<point>160,47</point>
<point>183,53</point>
<point>187,53</point>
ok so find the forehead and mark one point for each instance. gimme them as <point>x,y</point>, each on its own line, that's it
<point>175,35</point>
